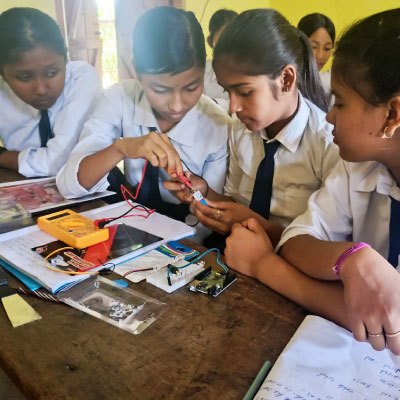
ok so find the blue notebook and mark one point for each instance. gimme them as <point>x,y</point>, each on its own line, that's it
<point>26,280</point>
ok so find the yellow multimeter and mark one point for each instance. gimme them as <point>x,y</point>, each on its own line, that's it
<point>72,228</point>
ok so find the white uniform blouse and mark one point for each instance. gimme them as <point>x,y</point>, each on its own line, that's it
<point>123,111</point>
<point>326,84</point>
<point>211,87</point>
<point>19,122</point>
<point>354,205</point>
<point>303,160</point>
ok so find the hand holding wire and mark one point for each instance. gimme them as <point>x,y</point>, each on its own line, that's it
<point>187,186</point>
<point>156,148</point>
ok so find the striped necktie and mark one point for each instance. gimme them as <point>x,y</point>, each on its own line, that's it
<point>394,233</point>
<point>45,128</point>
<point>262,192</point>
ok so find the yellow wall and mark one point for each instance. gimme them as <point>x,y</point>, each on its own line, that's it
<point>46,6</point>
<point>342,12</point>
<point>204,9</point>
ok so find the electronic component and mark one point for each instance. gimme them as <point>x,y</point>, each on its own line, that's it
<point>199,197</point>
<point>211,282</point>
<point>196,193</point>
<point>177,277</point>
<point>72,228</point>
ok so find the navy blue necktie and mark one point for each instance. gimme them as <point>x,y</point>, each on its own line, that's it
<point>262,192</point>
<point>394,231</point>
<point>44,128</point>
<point>150,195</point>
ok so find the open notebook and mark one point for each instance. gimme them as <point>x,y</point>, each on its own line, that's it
<point>15,246</point>
<point>323,361</point>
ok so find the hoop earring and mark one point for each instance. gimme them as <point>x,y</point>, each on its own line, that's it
<point>387,135</point>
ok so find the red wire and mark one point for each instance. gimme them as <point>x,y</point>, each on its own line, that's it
<point>124,190</point>
<point>136,270</point>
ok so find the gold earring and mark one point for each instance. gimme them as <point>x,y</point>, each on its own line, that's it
<point>387,135</point>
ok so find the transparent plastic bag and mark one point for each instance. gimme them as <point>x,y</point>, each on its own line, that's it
<point>121,307</point>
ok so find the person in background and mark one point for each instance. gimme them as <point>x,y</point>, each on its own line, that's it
<point>218,21</point>
<point>281,146</point>
<point>44,98</point>
<point>339,258</point>
<point>320,31</point>
<point>162,118</point>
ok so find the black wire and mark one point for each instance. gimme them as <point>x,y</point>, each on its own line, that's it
<point>204,9</point>
<point>105,270</point>
<point>190,169</point>
<point>102,224</point>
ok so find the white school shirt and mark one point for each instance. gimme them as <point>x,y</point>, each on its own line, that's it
<point>19,122</point>
<point>123,111</point>
<point>353,205</point>
<point>304,158</point>
<point>211,87</point>
<point>326,84</point>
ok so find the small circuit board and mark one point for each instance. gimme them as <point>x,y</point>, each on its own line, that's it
<point>211,282</point>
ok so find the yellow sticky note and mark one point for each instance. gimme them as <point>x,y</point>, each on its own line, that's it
<point>18,310</point>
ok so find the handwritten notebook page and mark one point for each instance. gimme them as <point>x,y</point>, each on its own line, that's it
<point>323,361</point>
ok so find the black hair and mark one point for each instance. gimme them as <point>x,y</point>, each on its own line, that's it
<point>262,42</point>
<point>219,19</point>
<point>167,40</point>
<point>367,57</point>
<point>23,29</point>
<point>312,22</point>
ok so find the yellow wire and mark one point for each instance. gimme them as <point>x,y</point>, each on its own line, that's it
<point>65,272</point>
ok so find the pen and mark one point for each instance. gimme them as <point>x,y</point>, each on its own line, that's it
<point>259,379</point>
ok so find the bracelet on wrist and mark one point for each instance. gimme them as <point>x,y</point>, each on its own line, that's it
<point>346,254</point>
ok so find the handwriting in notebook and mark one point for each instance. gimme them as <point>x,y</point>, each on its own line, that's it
<point>323,361</point>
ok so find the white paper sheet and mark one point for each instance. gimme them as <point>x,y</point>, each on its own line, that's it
<point>323,361</point>
<point>15,246</point>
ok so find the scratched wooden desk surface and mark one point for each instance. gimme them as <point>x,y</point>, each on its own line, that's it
<point>201,348</point>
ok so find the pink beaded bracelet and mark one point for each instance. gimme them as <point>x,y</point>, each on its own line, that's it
<point>346,254</point>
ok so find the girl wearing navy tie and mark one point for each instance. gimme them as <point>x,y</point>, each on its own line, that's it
<point>280,147</point>
<point>44,99</point>
<point>340,256</point>
<point>161,117</point>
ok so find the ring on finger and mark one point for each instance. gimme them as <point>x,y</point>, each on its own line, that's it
<point>374,335</point>
<point>392,335</point>
<point>217,215</point>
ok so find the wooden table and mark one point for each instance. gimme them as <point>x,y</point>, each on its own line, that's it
<point>201,348</point>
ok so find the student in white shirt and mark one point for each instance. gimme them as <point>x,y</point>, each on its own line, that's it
<point>360,201</point>
<point>269,70</point>
<point>320,30</point>
<point>44,99</point>
<point>217,23</point>
<point>167,97</point>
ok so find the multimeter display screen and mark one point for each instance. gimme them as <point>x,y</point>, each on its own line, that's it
<point>57,216</point>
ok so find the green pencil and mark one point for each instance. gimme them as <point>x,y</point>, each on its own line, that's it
<point>259,379</point>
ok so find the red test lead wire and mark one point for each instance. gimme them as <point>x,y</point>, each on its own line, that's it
<point>185,181</point>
